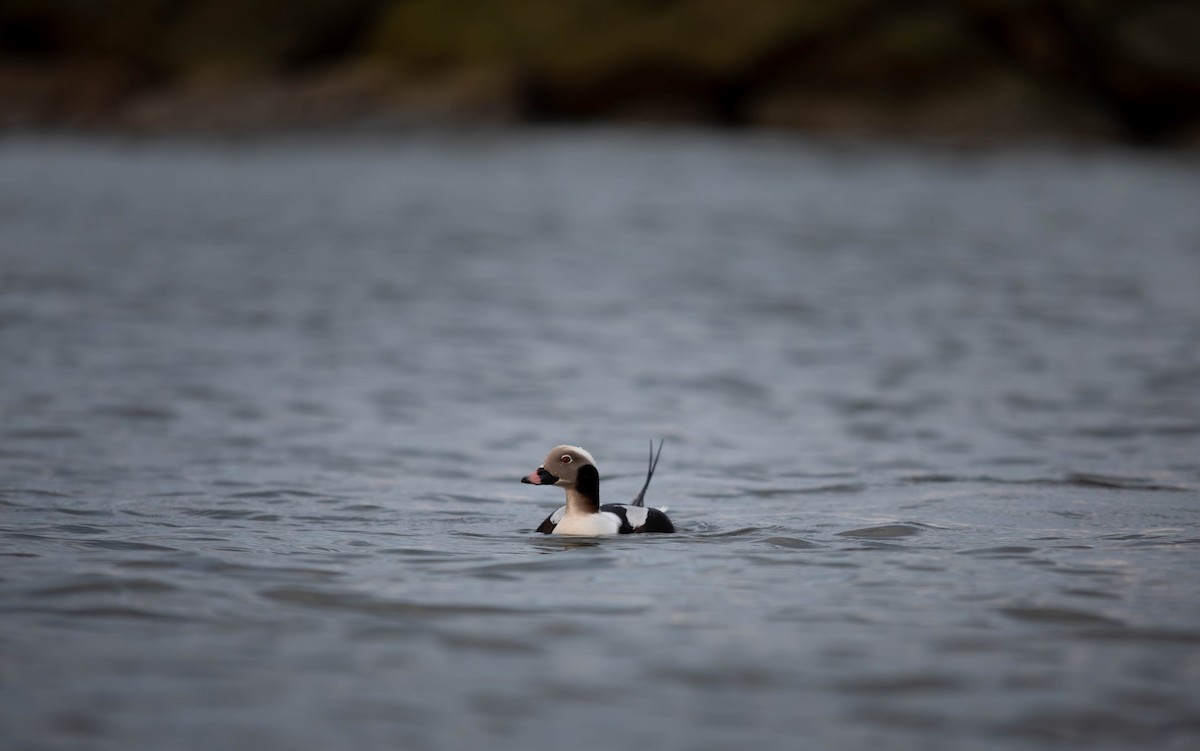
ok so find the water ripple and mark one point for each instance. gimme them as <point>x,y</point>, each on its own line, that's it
<point>366,605</point>
<point>883,531</point>
<point>1062,616</point>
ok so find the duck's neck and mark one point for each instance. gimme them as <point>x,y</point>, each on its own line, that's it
<point>584,496</point>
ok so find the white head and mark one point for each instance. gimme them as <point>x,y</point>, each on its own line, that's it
<point>573,469</point>
<point>561,467</point>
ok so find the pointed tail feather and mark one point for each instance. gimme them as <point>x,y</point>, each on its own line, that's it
<point>641,496</point>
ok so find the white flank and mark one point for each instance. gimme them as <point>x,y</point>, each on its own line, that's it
<point>590,525</point>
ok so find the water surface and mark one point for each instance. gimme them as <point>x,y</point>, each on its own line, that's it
<point>932,422</point>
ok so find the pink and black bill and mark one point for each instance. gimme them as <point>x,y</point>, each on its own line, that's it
<point>539,477</point>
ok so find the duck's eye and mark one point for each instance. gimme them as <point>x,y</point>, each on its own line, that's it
<point>565,458</point>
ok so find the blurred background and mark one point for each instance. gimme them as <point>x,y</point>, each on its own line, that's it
<point>1109,69</point>
<point>909,289</point>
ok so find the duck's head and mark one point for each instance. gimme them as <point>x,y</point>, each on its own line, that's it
<point>563,466</point>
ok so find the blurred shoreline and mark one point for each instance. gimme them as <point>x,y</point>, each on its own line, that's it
<point>975,71</point>
<point>74,101</point>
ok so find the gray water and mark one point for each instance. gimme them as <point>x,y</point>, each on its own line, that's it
<point>932,424</point>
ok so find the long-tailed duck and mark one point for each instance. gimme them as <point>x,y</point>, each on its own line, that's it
<point>574,470</point>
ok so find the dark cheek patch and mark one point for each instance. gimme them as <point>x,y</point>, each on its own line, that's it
<point>587,482</point>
